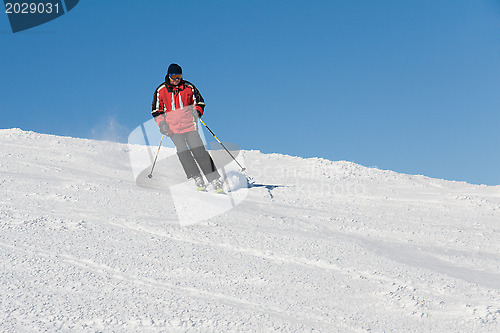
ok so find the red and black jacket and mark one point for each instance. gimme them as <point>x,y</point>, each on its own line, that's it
<point>177,105</point>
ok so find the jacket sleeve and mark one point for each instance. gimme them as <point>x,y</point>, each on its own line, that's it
<point>157,107</point>
<point>199,102</point>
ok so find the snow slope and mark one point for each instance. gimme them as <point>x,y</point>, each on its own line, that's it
<point>338,247</point>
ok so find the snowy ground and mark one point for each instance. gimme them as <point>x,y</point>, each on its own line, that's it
<point>337,248</point>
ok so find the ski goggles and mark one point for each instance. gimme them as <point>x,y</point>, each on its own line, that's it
<point>175,76</point>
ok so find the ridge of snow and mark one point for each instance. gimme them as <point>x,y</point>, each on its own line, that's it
<point>316,245</point>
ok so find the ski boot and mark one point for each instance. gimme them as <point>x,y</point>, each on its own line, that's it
<point>217,184</point>
<point>199,182</point>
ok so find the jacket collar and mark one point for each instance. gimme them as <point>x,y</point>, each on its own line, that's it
<point>171,87</point>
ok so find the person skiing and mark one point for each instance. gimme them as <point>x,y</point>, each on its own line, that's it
<point>177,105</point>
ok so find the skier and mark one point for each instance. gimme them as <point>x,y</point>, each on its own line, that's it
<point>177,105</point>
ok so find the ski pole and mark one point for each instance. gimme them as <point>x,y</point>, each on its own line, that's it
<point>242,168</point>
<point>154,163</point>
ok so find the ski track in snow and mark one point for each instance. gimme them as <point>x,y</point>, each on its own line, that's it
<point>337,247</point>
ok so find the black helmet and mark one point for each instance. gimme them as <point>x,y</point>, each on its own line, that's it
<point>174,69</point>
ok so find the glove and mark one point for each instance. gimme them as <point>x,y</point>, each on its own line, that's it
<point>164,128</point>
<point>197,111</point>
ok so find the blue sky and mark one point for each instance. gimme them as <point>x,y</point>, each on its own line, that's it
<point>410,86</point>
